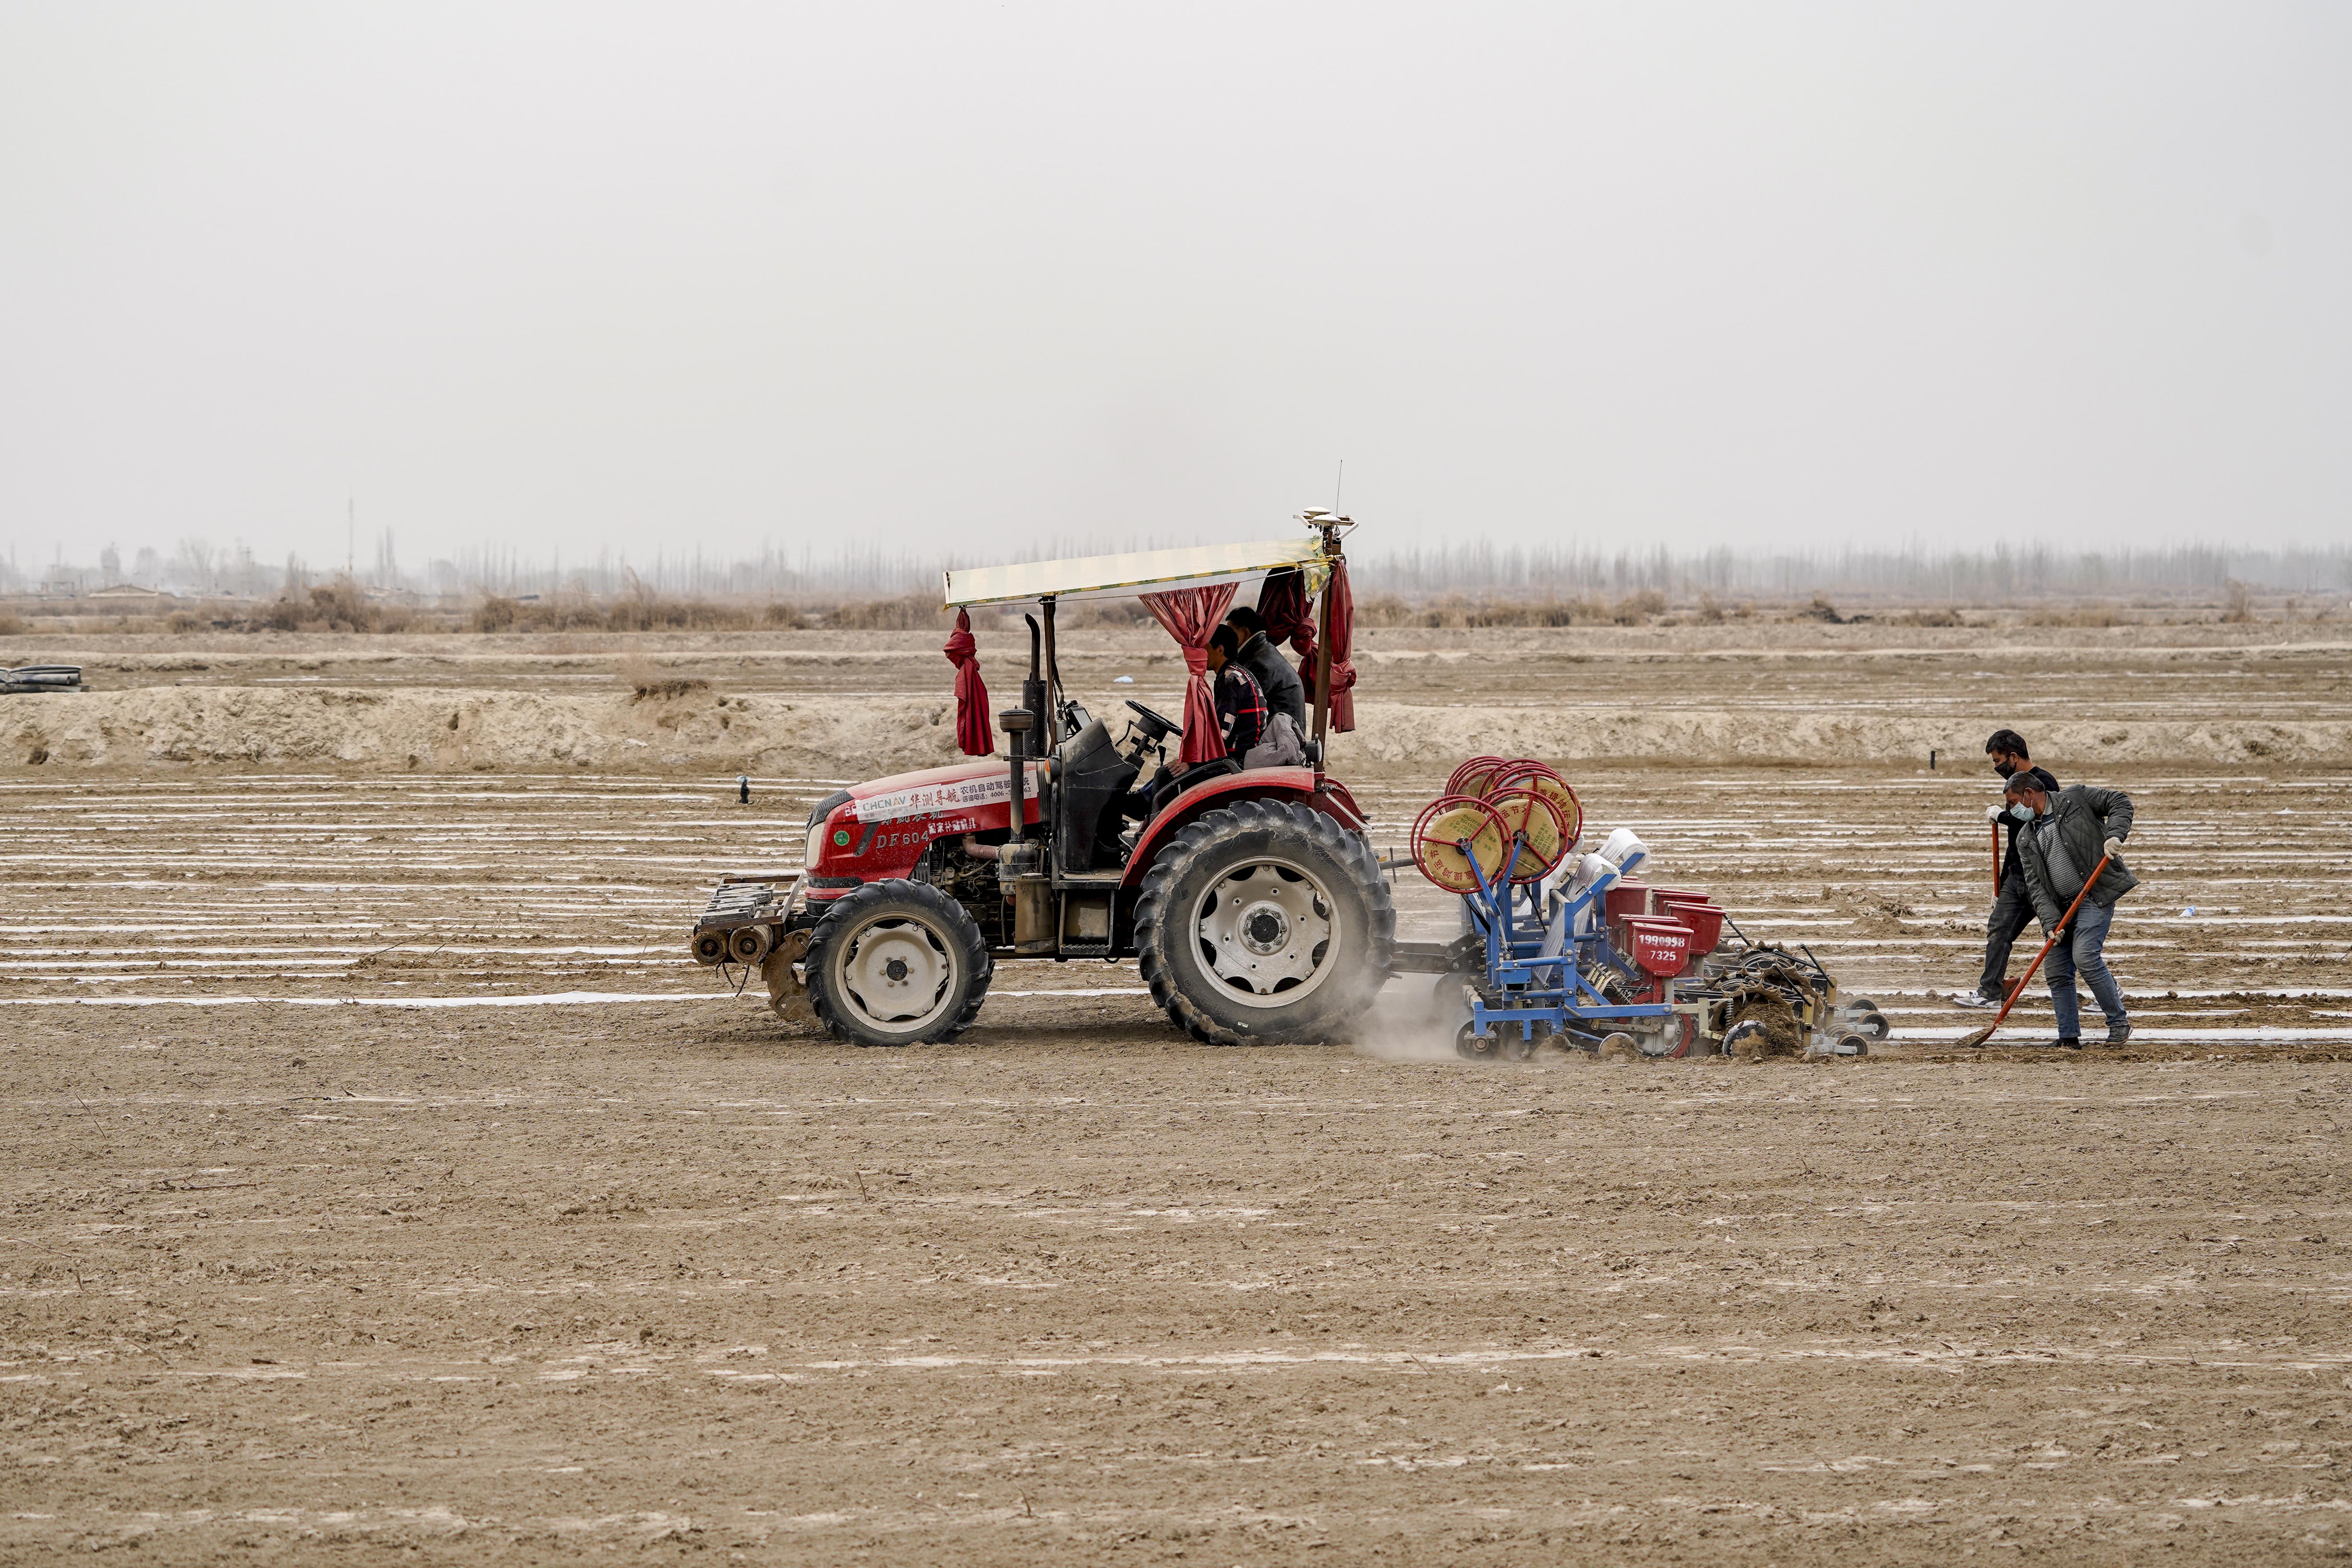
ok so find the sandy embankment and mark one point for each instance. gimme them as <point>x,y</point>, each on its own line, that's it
<point>401,728</point>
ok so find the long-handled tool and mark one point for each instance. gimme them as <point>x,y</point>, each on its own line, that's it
<point>1981,1036</point>
<point>1996,859</point>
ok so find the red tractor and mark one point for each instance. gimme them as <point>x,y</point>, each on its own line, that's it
<point>1251,898</point>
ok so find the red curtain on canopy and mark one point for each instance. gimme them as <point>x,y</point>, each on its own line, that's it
<point>972,733</point>
<point>1343,648</point>
<point>1290,617</point>
<point>1191,614</point>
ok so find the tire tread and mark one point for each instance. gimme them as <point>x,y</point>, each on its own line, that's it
<point>1205,834</point>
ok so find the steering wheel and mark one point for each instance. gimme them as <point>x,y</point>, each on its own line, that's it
<point>1155,722</point>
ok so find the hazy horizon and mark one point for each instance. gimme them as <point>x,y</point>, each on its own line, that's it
<point>935,280</point>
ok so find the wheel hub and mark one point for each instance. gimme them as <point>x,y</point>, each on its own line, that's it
<point>896,970</point>
<point>1265,930</point>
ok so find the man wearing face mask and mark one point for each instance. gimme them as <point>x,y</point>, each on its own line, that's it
<point>2012,909</point>
<point>2063,838</point>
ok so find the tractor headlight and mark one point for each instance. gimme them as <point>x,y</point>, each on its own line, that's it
<point>815,846</point>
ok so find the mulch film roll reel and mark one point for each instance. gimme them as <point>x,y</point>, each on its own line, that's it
<point>1488,802</point>
<point>1458,842</point>
<point>1471,777</point>
<point>1536,821</point>
<point>1525,773</point>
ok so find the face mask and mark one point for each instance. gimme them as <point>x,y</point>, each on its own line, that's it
<point>2023,812</point>
<point>2004,769</point>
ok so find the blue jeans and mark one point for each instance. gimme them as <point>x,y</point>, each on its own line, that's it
<point>2012,912</point>
<point>2081,952</point>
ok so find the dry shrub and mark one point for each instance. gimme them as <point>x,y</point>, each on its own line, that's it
<point>182,622</point>
<point>640,610</point>
<point>2238,603</point>
<point>1103,613</point>
<point>10,624</point>
<point>2076,615</point>
<point>1928,618</point>
<point>1454,612</point>
<point>648,683</point>
<point>1635,609</point>
<point>1820,609</point>
<point>1710,614</point>
<point>336,607</point>
<point>1543,613</point>
<point>909,612</point>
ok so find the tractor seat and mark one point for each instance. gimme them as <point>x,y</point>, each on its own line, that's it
<point>1165,795</point>
<point>1199,774</point>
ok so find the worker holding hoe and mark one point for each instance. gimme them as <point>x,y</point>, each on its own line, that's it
<point>2067,835</point>
<point>2012,911</point>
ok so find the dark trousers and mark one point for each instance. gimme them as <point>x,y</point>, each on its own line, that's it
<point>2012,912</point>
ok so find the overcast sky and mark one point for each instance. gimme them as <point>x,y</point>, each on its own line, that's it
<point>968,279</point>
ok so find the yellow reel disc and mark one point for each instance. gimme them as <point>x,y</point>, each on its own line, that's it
<point>1544,782</point>
<point>1459,842</point>
<point>1532,816</point>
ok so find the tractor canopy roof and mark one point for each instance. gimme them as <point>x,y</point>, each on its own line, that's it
<point>1138,571</point>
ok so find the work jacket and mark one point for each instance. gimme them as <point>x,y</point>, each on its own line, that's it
<point>1283,694</point>
<point>2086,817</point>
<point>2049,783</point>
<point>1241,709</point>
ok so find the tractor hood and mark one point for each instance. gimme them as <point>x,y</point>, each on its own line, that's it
<point>957,788</point>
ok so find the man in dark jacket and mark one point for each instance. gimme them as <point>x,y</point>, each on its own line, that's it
<point>2066,835</point>
<point>1283,694</point>
<point>2012,911</point>
<point>1241,706</point>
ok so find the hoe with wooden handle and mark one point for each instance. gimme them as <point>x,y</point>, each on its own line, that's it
<point>1981,1036</point>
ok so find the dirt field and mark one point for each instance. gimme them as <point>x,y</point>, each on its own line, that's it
<point>383,1181</point>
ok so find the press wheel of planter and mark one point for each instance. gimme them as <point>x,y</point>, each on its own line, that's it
<point>1527,774</point>
<point>1459,842</point>
<point>1470,778</point>
<point>1536,821</point>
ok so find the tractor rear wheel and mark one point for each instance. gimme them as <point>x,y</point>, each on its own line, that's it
<point>1265,922</point>
<point>896,964</point>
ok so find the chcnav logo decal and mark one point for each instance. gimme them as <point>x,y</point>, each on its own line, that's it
<point>923,800</point>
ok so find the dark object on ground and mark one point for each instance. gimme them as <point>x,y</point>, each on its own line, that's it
<point>41,678</point>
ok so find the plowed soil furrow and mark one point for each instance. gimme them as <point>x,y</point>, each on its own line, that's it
<point>383,1181</point>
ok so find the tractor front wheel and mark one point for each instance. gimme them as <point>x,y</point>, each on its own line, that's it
<point>1265,922</point>
<point>896,964</point>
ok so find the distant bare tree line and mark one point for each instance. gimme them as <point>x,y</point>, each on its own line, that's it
<point>197,568</point>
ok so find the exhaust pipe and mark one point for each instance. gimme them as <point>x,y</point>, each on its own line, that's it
<point>1017,722</point>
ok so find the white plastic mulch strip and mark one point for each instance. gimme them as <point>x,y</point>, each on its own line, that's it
<point>2184,1036</point>
<point>548,999</point>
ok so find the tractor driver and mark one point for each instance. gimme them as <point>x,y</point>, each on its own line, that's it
<point>1241,722</point>
<point>1284,744</point>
